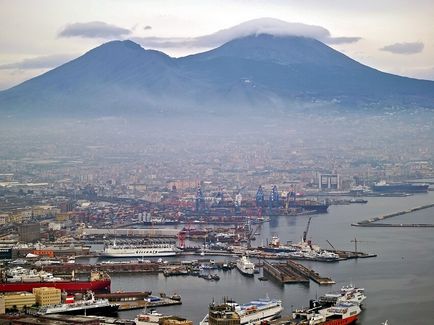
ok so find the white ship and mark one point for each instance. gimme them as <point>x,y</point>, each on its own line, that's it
<point>85,307</point>
<point>245,266</point>
<point>154,318</point>
<point>340,308</point>
<point>343,313</point>
<point>255,312</point>
<point>148,318</point>
<point>151,249</point>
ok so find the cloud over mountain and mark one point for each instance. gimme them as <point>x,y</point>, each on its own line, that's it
<point>404,48</point>
<point>94,29</point>
<point>258,26</point>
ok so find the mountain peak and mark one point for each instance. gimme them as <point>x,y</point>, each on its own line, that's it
<point>125,44</point>
<point>280,49</point>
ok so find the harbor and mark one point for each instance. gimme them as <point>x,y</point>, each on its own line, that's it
<point>141,274</point>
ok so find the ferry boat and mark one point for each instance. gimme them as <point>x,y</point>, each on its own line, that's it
<point>346,294</point>
<point>90,306</point>
<point>340,308</point>
<point>245,266</point>
<point>254,312</point>
<point>20,279</point>
<point>343,313</point>
<point>149,249</point>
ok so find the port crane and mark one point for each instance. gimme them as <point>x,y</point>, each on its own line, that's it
<point>331,244</point>
<point>355,241</point>
<point>305,232</point>
<point>250,232</point>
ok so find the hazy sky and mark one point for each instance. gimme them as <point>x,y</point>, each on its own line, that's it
<point>395,36</point>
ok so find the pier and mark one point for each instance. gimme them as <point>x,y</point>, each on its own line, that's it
<point>373,221</point>
<point>114,267</point>
<point>138,300</point>
<point>292,272</point>
<point>283,274</point>
<point>309,273</point>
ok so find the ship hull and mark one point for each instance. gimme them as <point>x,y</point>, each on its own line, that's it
<point>134,254</point>
<point>317,208</point>
<point>68,286</point>
<point>110,310</point>
<point>400,188</point>
<point>346,321</point>
<point>262,316</point>
<point>246,273</point>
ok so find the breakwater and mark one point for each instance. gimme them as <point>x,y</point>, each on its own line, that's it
<point>373,222</point>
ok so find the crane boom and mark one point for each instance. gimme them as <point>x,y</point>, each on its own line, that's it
<point>307,229</point>
<point>331,244</point>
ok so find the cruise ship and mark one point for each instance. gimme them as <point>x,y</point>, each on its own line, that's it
<point>149,249</point>
<point>245,266</point>
<point>254,312</point>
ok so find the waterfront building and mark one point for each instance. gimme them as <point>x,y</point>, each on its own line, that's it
<point>47,296</point>
<point>19,300</point>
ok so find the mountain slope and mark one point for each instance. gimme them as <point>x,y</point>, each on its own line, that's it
<point>253,73</point>
<point>297,66</point>
<point>108,79</point>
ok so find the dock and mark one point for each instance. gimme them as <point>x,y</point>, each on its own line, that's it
<point>138,300</point>
<point>283,274</point>
<point>111,267</point>
<point>346,255</point>
<point>292,272</point>
<point>308,273</point>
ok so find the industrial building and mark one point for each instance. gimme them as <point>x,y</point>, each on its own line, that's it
<point>19,300</point>
<point>47,296</point>
<point>29,232</point>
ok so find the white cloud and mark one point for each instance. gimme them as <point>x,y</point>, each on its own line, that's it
<point>252,27</point>
<point>40,62</point>
<point>94,29</point>
<point>404,48</point>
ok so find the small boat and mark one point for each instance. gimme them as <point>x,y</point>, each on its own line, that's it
<point>263,278</point>
<point>175,297</point>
